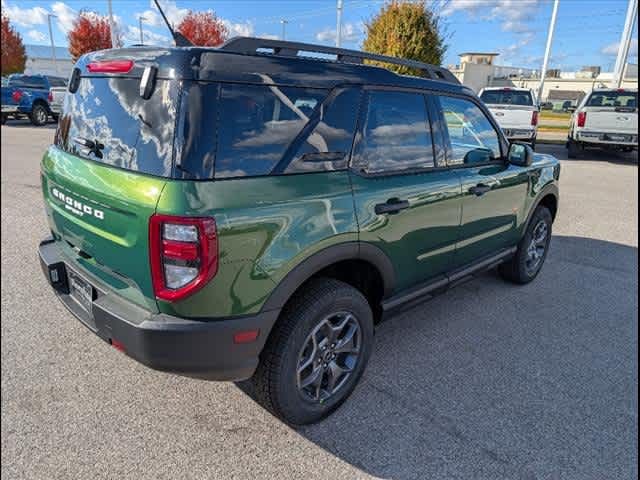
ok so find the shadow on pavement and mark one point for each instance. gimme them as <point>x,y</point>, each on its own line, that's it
<point>493,380</point>
<point>590,155</point>
<point>27,124</point>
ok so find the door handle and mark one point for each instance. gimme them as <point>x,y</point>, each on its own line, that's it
<point>393,205</point>
<point>480,189</point>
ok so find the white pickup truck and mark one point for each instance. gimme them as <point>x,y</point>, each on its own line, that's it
<point>515,110</point>
<point>606,118</point>
<point>56,98</point>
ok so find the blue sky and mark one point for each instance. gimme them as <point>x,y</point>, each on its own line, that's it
<point>587,31</point>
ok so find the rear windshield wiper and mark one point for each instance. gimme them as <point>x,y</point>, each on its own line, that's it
<point>94,146</point>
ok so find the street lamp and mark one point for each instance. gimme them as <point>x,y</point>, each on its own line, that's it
<point>53,47</point>
<point>284,23</point>
<point>140,19</point>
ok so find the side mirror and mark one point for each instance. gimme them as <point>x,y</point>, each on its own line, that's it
<point>520,154</point>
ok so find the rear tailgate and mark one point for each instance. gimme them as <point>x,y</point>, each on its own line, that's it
<point>611,120</point>
<point>103,177</point>
<point>511,116</point>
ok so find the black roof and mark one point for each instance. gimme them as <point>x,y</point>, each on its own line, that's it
<point>242,60</point>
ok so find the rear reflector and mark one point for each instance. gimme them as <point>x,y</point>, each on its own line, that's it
<point>117,345</point>
<point>247,336</point>
<point>110,66</point>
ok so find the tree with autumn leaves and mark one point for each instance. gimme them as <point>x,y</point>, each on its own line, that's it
<point>203,29</point>
<point>406,30</point>
<point>13,54</point>
<point>90,32</point>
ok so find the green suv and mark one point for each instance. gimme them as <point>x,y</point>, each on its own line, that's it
<point>252,211</point>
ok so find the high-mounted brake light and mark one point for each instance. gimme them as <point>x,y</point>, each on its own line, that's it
<point>534,118</point>
<point>110,66</point>
<point>183,253</point>
<point>582,118</point>
<point>16,96</point>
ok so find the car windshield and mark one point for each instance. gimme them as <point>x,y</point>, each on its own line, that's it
<point>613,99</point>
<point>507,97</point>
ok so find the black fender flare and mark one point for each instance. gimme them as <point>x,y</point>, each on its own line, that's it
<point>550,188</point>
<point>324,258</point>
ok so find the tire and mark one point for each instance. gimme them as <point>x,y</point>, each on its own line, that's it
<point>4,119</point>
<point>276,384</point>
<point>38,115</point>
<point>55,117</point>
<point>522,268</point>
<point>573,149</point>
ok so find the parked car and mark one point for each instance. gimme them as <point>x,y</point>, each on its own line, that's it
<point>28,95</point>
<point>56,99</point>
<point>546,106</point>
<point>606,118</point>
<point>254,217</point>
<point>515,110</point>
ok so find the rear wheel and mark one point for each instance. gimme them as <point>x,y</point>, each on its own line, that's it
<point>573,149</point>
<point>532,249</point>
<point>38,115</point>
<point>316,353</point>
<point>4,119</point>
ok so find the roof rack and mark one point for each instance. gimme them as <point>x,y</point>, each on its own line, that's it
<point>252,46</point>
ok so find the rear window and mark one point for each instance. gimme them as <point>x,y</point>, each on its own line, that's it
<point>613,99</point>
<point>506,97</point>
<point>107,121</point>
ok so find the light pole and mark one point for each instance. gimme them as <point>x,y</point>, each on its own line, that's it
<point>140,19</point>
<point>547,51</point>
<point>339,26</point>
<point>53,47</point>
<point>625,42</point>
<point>112,27</point>
<point>284,23</point>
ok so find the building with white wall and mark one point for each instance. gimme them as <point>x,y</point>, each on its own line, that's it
<point>40,61</point>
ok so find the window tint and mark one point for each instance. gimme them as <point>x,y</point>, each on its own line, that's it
<point>473,138</point>
<point>256,125</point>
<point>396,133</point>
<point>328,145</point>
<point>506,97</point>
<point>613,99</point>
<point>57,82</point>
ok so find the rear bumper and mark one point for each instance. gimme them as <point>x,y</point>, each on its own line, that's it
<point>202,348</point>
<point>9,109</point>
<point>608,138</point>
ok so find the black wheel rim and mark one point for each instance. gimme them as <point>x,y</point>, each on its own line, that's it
<point>329,357</point>
<point>537,247</point>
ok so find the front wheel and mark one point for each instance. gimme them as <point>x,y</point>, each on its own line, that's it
<point>316,353</point>
<point>38,115</point>
<point>532,249</point>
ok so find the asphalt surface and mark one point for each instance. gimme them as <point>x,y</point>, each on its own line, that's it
<point>488,381</point>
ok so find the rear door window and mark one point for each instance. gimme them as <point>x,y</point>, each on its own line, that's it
<point>256,125</point>
<point>396,134</point>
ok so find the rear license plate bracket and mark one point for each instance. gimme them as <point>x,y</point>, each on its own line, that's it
<point>81,291</point>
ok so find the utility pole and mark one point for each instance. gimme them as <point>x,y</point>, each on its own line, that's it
<point>339,24</point>
<point>53,47</point>
<point>140,18</point>
<point>284,23</point>
<point>625,42</point>
<point>112,29</point>
<point>547,51</point>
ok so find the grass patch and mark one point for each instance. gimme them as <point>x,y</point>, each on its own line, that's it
<point>553,128</point>
<point>555,115</point>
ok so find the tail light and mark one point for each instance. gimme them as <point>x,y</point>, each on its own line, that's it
<point>50,97</point>
<point>582,118</point>
<point>184,254</point>
<point>16,96</point>
<point>534,118</point>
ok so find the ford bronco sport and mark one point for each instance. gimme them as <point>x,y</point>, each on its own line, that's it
<point>251,211</point>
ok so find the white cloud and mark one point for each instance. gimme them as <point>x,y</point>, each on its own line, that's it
<point>268,36</point>
<point>245,29</point>
<point>36,36</point>
<point>170,9</point>
<point>612,49</point>
<point>514,14</point>
<point>66,15</point>
<point>25,17</point>
<point>131,35</point>
<point>350,33</point>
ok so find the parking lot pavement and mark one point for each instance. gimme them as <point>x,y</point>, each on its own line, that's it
<point>488,381</point>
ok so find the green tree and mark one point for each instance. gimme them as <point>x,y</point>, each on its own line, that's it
<point>408,30</point>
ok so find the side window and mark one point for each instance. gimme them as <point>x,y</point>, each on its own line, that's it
<point>328,145</point>
<point>36,82</point>
<point>473,138</point>
<point>396,135</point>
<point>256,125</point>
